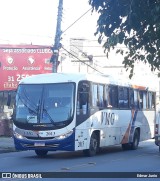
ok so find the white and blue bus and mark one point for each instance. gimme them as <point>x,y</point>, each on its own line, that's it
<point>71,112</point>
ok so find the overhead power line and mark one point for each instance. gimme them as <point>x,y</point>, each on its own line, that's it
<point>81,60</point>
<point>77,20</point>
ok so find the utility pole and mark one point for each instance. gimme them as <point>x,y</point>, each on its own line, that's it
<point>57,45</point>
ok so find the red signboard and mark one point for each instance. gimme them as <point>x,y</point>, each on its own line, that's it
<point>19,61</point>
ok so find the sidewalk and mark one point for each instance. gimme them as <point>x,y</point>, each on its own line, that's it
<point>6,144</point>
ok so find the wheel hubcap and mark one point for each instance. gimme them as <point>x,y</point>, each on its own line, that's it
<point>94,145</point>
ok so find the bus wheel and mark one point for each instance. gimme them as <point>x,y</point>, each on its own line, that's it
<point>41,153</point>
<point>125,146</point>
<point>94,146</point>
<point>135,143</point>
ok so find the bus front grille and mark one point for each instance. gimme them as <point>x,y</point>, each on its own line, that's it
<point>46,146</point>
<point>40,138</point>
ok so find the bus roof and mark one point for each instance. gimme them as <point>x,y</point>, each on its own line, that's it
<point>76,77</point>
<point>62,77</point>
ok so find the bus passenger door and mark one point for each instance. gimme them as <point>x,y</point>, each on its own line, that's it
<point>82,115</point>
<point>82,110</point>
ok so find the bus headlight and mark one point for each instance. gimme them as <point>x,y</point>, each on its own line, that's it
<point>66,135</point>
<point>17,135</point>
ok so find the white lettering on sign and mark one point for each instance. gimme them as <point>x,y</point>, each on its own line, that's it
<point>21,76</point>
<point>47,68</point>
<point>29,50</point>
<point>17,78</point>
<point>31,68</point>
<point>10,78</point>
<point>10,68</point>
<point>12,85</point>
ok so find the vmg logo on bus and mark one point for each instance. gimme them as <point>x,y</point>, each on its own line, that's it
<point>108,118</point>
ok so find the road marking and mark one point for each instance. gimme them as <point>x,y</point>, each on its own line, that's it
<point>119,159</point>
<point>65,168</point>
<point>102,161</point>
<point>89,164</point>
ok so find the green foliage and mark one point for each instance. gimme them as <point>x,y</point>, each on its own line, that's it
<point>134,23</point>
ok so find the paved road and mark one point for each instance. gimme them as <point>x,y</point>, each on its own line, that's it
<point>6,144</point>
<point>111,159</point>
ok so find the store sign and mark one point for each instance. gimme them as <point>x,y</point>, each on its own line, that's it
<point>18,62</point>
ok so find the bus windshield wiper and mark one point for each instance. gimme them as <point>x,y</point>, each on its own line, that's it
<point>50,118</point>
<point>30,108</point>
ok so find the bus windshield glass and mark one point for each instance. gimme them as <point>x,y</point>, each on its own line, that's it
<point>44,104</point>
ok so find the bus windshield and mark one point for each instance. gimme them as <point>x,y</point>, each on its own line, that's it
<point>44,104</point>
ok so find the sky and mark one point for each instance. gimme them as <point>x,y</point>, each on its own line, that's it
<point>34,21</point>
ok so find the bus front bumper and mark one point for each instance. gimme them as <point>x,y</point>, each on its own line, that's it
<point>66,144</point>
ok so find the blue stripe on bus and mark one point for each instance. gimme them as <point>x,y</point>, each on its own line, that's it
<point>134,116</point>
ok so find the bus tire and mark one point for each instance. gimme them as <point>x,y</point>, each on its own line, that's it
<point>93,147</point>
<point>135,143</point>
<point>41,153</point>
<point>126,146</point>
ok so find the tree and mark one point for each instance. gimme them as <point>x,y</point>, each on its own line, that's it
<point>133,23</point>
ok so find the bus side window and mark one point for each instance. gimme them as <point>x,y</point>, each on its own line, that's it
<point>144,100</point>
<point>126,97</point>
<point>120,97</point>
<point>83,99</point>
<point>153,100</point>
<point>101,96</point>
<point>94,95</point>
<point>113,96</point>
<point>136,102</point>
<point>123,97</point>
<point>107,100</point>
<point>131,98</point>
<point>141,99</point>
<point>149,100</point>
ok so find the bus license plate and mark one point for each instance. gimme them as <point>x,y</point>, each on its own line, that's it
<point>39,144</point>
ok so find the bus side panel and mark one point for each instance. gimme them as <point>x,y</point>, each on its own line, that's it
<point>111,125</point>
<point>157,127</point>
<point>81,139</point>
<point>115,127</point>
<point>146,122</point>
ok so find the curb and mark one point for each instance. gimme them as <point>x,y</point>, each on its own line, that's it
<point>7,150</point>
